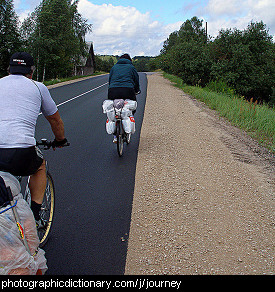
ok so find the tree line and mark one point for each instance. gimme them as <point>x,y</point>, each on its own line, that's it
<point>243,61</point>
<point>54,34</point>
<point>141,63</point>
<point>104,63</point>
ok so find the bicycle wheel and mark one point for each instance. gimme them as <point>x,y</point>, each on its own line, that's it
<point>47,210</point>
<point>119,138</point>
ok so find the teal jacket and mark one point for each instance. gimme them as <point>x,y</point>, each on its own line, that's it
<point>124,74</point>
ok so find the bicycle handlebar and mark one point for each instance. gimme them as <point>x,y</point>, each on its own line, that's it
<point>48,144</point>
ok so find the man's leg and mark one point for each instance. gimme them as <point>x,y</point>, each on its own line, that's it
<point>37,185</point>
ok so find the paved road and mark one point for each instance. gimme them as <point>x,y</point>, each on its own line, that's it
<point>94,186</point>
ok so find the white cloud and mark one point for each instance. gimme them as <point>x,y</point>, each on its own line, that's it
<point>263,10</point>
<point>218,7</point>
<point>24,8</point>
<point>118,29</point>
<point>221,14</point>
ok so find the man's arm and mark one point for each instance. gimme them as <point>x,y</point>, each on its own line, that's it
<point>57,126</point>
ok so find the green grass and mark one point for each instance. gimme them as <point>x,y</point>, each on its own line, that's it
<point>257,120</point>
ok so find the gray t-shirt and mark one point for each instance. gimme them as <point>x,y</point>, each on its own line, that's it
<point>21,100</point>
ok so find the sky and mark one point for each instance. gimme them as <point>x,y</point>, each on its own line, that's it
<point>140,27</point>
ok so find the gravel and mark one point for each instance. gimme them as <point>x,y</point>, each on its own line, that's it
<point>204,192</point>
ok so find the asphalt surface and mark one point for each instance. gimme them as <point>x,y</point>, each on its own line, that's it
<point>94,187</point>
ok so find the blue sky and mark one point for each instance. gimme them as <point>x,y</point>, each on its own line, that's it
<point>161,10</point>
<point>139,27</point>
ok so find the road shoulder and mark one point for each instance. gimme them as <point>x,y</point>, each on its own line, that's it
<point>202,201</point>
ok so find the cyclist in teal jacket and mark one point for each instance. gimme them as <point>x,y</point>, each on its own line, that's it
<point>123,80</point>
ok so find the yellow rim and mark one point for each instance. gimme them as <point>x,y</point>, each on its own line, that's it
<point>49,181</point>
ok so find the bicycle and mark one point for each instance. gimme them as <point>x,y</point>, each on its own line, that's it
<point>48,204</point>
<point>10,197</point>
<point>120,133</point>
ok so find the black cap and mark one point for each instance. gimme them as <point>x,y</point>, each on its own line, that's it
<point>20,63</point>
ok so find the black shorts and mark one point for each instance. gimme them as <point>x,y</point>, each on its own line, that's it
<point>20,161</point>
<point>121,93</point>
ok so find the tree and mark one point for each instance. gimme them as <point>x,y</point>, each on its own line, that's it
<point>104,63</point>
<point>55,34</point>
<point>245,60</point>
<point>192,30</point>
<point>170,42</point>
<point>10,40</point>
<point>143,64</point>
<point>81,27</point>
<point>185,53</point>
<point>191,62</point>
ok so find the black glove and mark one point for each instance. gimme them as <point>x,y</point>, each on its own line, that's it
<point>62,143</point>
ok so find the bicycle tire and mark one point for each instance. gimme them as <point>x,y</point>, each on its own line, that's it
<point>120,141</point>
<point>47,209</point>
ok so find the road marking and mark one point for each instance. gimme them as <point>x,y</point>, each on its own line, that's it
<point>81,94</point>
<point>71,99</point>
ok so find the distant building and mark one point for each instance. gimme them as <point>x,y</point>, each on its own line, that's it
<point>87,66</point>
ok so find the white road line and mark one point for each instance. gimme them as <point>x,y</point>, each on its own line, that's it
<point>81,94</point>
<point>71,99</point>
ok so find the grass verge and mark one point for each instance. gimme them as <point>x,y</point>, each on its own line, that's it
<point>258,121</point>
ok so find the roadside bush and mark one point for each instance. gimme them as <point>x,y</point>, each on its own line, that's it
<point>245,59</point>
<point>241,62</point>
<point>189,60</point>
<point>220,86</point>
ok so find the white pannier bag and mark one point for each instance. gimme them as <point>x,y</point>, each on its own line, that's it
<point>110,127</point>
<point>126,113</point>
<point>108,108</point>
<point>111,115</point>
<point>133,124</point>
<point>129,125</point>
<point>128,120</point>
<point>108,105</point>
<point>14,258</point>
<point>129,107</point>
<point>130,104</point>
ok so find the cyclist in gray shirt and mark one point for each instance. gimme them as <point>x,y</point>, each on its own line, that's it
<point>21,100</point>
